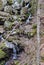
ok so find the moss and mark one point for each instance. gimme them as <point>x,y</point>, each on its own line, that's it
<point>42,59</point>
<point>33,32</point>
<point>17,62</point>
<point>10,2</point>
<point>2,54</point>
<point>34,26</point>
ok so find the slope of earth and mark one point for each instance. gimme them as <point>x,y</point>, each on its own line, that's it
<point>42,31</point>
<point>20,27</point>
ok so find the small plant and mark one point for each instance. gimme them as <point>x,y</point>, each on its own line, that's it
<point>25,64</point>
<point>17,62</point>
<point>34,26</point>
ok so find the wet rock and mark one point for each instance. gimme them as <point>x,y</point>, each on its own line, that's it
<point>9,44</point>
<point>14,54</point>
<point>28,20</point>
<point>8,9</point>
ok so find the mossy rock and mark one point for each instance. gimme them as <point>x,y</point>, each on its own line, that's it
<point>42,59</point>
<point>8,25</point>
<point>10,2</point>
<point>1,5</point>
<point>2,54</point>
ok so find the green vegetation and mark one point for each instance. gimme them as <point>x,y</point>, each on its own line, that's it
<point>2,54</point>
<point>25,64</point>
<point>33,4</point>
<point>42,59</point>
<point>10,2</point>
<point>34,26</point>
<point>2,45</point>
<point>16,62</point>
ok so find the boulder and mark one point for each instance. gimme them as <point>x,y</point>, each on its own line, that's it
<point>2,4</point>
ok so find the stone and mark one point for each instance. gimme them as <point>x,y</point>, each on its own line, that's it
<point>14,17</point>
<point>1,5</point>
<point>4,2</point>
<point>7,25</point>
<point>16,5</point>
<point>8,9</point>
